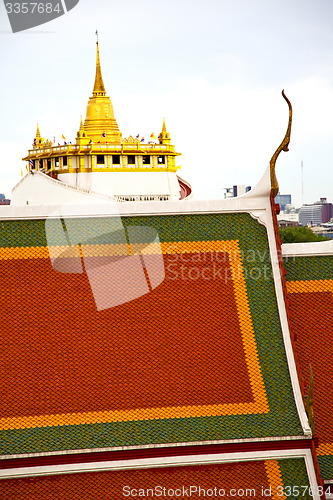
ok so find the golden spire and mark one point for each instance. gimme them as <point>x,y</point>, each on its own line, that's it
<point>39,140</point>
<point>99,89</point>
<point>100,122</point>
<point>283,147</point>
<point>164,137</point>
<point>81,136</point>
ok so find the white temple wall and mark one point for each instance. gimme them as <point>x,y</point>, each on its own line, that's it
<point>126,183</point>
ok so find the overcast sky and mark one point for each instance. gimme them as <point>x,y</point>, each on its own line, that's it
<point>214,69</point>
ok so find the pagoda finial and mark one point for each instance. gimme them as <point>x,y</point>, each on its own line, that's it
<point>164,127</point>
<point>37,133</point>
<point>99,89</point>
<point>100,116</point>
<point>81,124</point>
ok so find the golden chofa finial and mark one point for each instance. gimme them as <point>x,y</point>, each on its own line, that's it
<point>99,89</point>
<point>283,147</point>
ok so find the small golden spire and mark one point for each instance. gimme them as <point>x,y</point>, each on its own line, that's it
<point>164,137</point>
<point>99,89</point>
<point>39,141</point>
<point>81,136</point>
<point>283,147</point>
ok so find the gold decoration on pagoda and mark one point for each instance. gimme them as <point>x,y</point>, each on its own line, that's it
<point>100,123</point>
<point>82,138</point>
<point>39,141</point>
<point>164,137</point>
<point>283,147</point>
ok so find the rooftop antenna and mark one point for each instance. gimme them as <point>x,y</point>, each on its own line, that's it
<point>302,182</point>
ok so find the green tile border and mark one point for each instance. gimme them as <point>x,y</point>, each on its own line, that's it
<point>295,476</point>
<point>308,268</point>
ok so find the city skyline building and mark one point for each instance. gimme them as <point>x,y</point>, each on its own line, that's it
<point>4,200</point>
<point>283,200</point>
<point>316,214</point>
<point>236,190</point>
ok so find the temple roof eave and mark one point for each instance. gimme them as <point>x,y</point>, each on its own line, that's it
<point>98,148</point>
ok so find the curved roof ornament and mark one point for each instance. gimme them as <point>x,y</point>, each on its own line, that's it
<point>283,147</point>
<point>308,399</point>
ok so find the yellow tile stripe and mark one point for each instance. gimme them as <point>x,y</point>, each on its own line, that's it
<point>325,449</point>
<point>64,251</point>
<point>106,250</point>
<point>310,286</point>
<point>259,404</point>
<point>25,253</point>
<point>275,479</point>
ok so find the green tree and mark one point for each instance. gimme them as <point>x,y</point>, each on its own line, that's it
<point>299,235</point>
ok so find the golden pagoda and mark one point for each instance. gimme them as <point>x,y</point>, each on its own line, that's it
<point>100,154</point>
<point>100,116</point>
